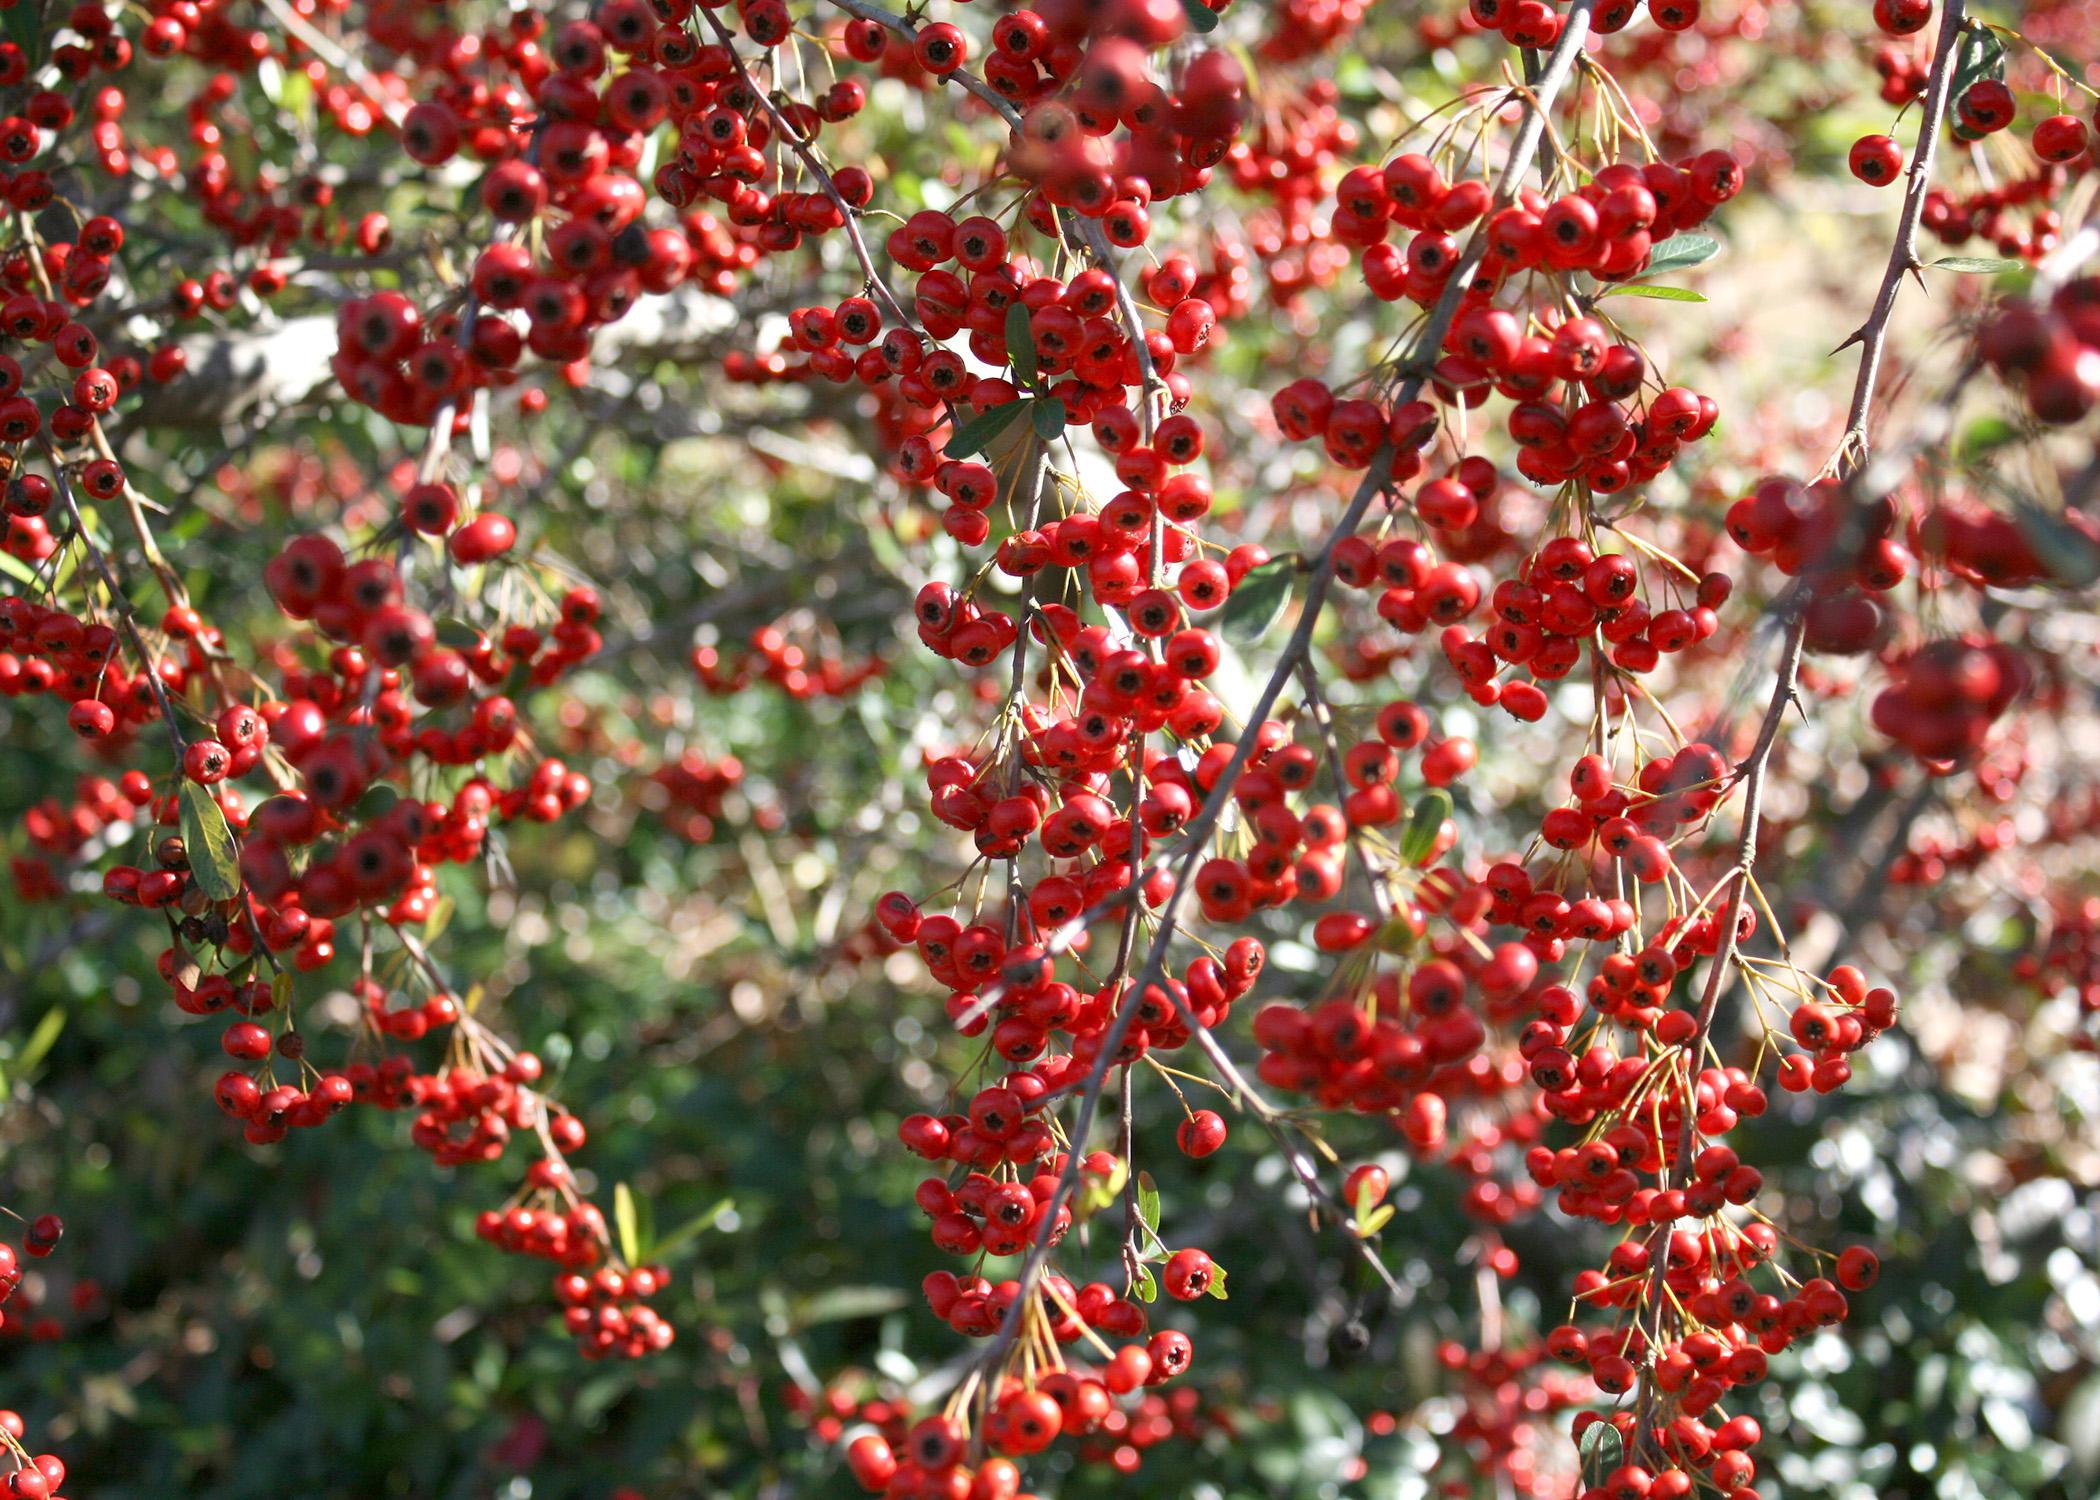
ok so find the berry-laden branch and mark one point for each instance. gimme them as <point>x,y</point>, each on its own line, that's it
<point>848,215</point>
<point>1559,65</point>
<point>1324,1201</point>
<point>1319,570</point>
<point>1872,336</point>
<point>1060,354</point>
<point>252,896</point>
<point>1750,774</point>
<point>1089,231</point>
<point>1021,1307</point>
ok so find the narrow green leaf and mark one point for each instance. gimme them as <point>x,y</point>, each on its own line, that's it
<point>281,989</point>
<point>1148,1199</point>
<point>48,1026</point>
<point>1654,293</point>
<point>839,1304</point>
<point>1049,418</point>
<point>457,634</point>
<point>690,1230</point>
<point>213,864</point>
<point>972,435</point>
<point>1147,1284</point>
<point>645,1226</point>
<point>1020,342</point>
<point>1376,1220</point>
<point>1201,17</point>
<point>1257,602</point>
<point>624,1221</point>
<point>1978,265</point>
<point>1679,251</point>
<point>1424,823</point>
<point>1217,1282</point>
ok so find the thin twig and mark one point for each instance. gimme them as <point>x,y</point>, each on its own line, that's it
<point>1872,336</point>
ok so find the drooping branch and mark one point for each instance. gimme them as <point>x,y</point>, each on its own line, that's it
<point>1559,65</point>
<point>1558,68</point>
<point>1872,335</point>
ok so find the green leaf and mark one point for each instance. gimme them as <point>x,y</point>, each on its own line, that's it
<point>839,1304</point>
<point>10,564</point>
<point>2072,557</point>
<point>1020,342</point>
<point>1321,1421</point>
<point>1201,17</point>
<point>1424,823</point>
<point>1370,1223</point>
<point>1049,417</point>
<point>1148,1199</point>
<point>1982,56</point>
<point>281,989</point>
<point>625,1222</point>
<point>1602,1450</point>
<point>1217,1282</point>
<point>1099,1192</point>
<point>209,842</point>
<point>1654,293</point>
<point>457,634</point>
<point>690,1230</point>
<point>1680,251</point>
<point>1257,602</point>
<point>1982,435</point>
<point>1147,1284</point>
<point>1978,265</point>
<point>48,1026</point>
<point>377,802</point>
<point>972,435</point>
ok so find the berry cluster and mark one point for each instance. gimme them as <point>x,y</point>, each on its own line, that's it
<point>1608,228</point>
<point>802,672</point>
<point>695,788</point>
<point>1943,697</point>
<point>389,741</point>
<point>1072,792</point>
<point>2068,960</point>
<point>1113,1432</point>
<point>29,1476</point>
<point>1139,827</point>
<point>2052,353</point>
<point>1505,1390</point>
